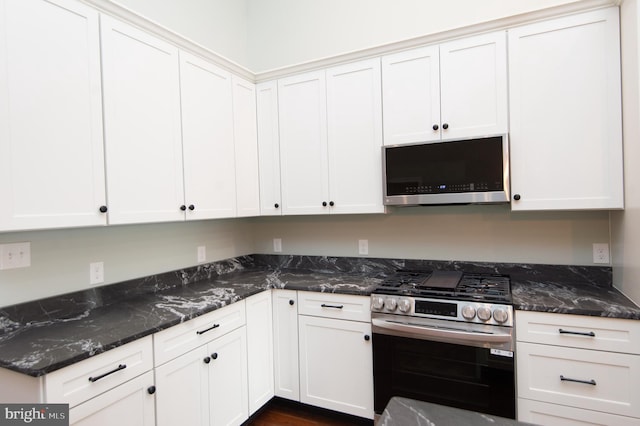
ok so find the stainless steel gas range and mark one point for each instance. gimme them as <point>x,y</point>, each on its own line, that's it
<point>445,337</point>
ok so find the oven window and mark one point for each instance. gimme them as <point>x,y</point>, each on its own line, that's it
<point>459,376</point>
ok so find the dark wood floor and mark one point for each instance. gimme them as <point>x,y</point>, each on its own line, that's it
<point>281,412</point>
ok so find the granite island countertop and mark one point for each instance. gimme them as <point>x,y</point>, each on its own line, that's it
<point>42,336</point>
<point>404,411</point>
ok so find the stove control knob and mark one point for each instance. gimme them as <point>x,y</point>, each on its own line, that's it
<point>484,313</point>
<point>391,304</point>
<point>468,312</point>
<point>404,305</point>
<point>377,303</point>
<point>500,315</point>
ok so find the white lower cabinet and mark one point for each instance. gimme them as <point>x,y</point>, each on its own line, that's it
<point>577,370</point>
<point>114,387</point>
<point>286,375</point>
<point>130,404</point>
<point>259,350</point>
<point>207,385</point>
<point>336,359</point>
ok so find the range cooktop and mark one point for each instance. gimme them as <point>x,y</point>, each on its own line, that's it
<point>454,285</point>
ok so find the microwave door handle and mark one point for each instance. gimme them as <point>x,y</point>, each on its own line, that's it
<point>437,332</point>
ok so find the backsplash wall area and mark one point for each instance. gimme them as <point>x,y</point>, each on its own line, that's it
<point>60,258</point>
<point>481,233</point>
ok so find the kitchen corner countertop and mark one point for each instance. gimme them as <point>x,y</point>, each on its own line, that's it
<point>404,411</point>
<point>45,335</point>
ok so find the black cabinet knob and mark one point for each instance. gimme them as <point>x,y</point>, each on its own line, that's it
<point>324,204</point>
<point>207,360</point>
<point>151,390</point>
<point>291,302</point>
<point>103,209</point>
<point>445,126</point>
<point>214,355</point>
<point>192,207</point>
<point>331,203</point>
<point>183,207</point>
<point>516,197</point>
<point>436,127</point>
<point>276,205</point>
<point>367,337</point>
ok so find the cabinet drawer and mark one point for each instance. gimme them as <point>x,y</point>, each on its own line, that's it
<point>130,404</point>
<point>579,331</point>
<point>331,305</point>
<point>613,377</point>
<point>543,413</point>
<point>184,337</point>
<point>93,376</point>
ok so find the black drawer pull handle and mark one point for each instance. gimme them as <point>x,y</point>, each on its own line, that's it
<point>102,376</point>
<point>208,329</point>
<point>324,305</point>
<point>579,333</point>
<point>586,382</point>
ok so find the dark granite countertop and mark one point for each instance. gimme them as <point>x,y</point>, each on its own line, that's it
<point>45,335</point>
<point>404,411</point>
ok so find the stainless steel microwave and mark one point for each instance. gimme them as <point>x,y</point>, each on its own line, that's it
<point>461,171</point>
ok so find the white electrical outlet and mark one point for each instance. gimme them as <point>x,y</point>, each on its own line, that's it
<point>15,255</point>
<point>363,246</point>
<point>96,273</point>
<point>202,254</point>
<point>601,253</point>
<point>277,245</point>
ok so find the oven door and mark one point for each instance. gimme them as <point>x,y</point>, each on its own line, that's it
<point>473,377</point>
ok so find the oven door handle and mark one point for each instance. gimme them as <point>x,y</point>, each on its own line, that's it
<point>426,331</point>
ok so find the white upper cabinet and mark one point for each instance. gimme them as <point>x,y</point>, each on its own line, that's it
<point>208,140</point>
<point>354,135</point>
<point>453,90</point>
<point>246,147</point>
<point>411,94</point>
<point>269,148</point>
<point>473,86</point>
<point>565,105</point>
<point>51,146</point>
<point>142,125</point>
<point>302,106</point>
<point>331,139</point>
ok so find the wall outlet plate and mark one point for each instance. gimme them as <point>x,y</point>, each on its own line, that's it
<point>202,254</point>
<point>277,245</point>
<point>601,253</point>
<point>363,246</point>
<point>15,255</point>
<point>96,273</point>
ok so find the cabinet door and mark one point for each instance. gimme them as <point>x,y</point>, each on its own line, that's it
<point>565,109</point>
<point>473,85</point>
<point>336,365</point>
<point>411,96</point>
<point>130,404</point>
<point>51,150</point>
<point>303,143</point>
<point>269,148</point>
<point>207,134</point>
<point>354,134</point>
<point>142,125</point>
<point>246,147</point>
<point>182,390</point>
<point>259,350</point>
<point>285,344</point>
<point>228,393</point>
<point>543,413</point>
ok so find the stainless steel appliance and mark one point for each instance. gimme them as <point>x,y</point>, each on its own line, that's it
<point>461,171</point>
<point>445,337</point>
